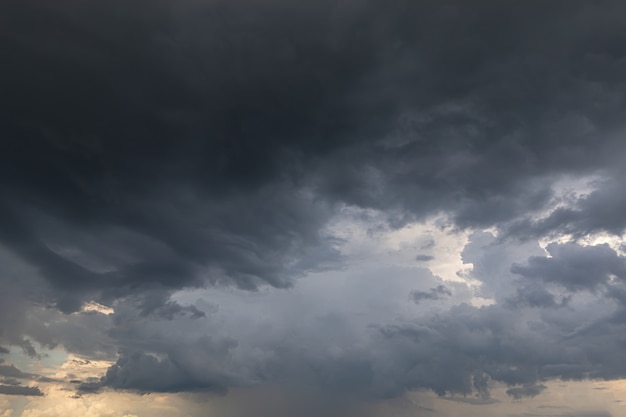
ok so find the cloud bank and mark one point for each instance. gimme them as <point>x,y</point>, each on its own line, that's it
<point>224,181</point>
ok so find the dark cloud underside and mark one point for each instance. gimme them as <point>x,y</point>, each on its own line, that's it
<point>194,126</point>
<point>149,147</point>
<point>19,390</point>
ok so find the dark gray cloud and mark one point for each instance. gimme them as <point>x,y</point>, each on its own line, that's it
<point>152,147</point>
<point>19,390</point>
<point>10,371</point>
<point>194,128</point>
<point>462,351</point>
<point>159,304</point>
<point>536,295</point>
<point>575,267</point>
<point>533,334</point>
<point>437,293</point>
<point>526,391</point>
<point>145,373</point>
<point>11,381</point>
<point>599,211</point>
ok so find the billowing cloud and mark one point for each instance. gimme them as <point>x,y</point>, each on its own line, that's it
<point>347,199</point>
<point>207,161</point>
<point>575,267</point>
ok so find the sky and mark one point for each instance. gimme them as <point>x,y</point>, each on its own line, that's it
<point>233,208</point>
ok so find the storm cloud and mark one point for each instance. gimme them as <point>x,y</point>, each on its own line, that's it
<point>180,182</point>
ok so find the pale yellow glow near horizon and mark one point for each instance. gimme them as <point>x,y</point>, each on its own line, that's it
<point>559,399</point>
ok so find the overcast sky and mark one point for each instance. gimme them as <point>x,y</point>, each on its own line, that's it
<point>372,208</point>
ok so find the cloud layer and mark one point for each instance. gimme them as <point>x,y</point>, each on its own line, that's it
<point>226,184</point>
